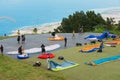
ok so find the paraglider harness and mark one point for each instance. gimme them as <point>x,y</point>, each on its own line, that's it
<point>37,64</point>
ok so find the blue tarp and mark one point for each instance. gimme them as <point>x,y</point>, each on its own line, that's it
<point>54,66</point>
<point>103,60</point>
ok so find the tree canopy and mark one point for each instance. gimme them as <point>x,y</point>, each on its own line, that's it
<point>89,21</point>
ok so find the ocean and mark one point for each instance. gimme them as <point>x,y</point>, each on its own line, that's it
<point>17,14</point>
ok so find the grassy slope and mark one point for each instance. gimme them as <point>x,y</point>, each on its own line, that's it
<point>108,71</point>
<point>5,37</point>
<point>11,69</point>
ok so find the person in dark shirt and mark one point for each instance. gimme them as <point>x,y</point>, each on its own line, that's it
<point>20,50</point>
<point>53,34</point>
<point>65,39</point>
<point>2,49</point>
<point>23,39</point>
<point>43,48</point>
<point>18,39</point>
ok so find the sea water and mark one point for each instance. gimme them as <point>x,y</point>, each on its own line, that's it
<point>17,14</point>
<point>7,26</point>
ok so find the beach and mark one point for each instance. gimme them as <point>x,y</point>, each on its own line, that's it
<point>46,28</point>
<point>113,12</point>
<point>49,27</point>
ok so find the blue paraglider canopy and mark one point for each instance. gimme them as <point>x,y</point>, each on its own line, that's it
<point>90,36</point>
<point>105,34</point>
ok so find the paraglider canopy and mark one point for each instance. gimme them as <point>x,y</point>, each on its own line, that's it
<point>105,34</point>
<point>46,55</point>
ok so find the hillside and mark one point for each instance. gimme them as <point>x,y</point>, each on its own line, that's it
<point>12,69</point>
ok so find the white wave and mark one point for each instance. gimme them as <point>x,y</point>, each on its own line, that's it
<point>44,28</point>
<point>52,23</point>
<point>40,25</point>
<point>102,10</point>
<point>112,12</point>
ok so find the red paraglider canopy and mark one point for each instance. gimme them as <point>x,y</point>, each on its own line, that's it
<point>46,55</point>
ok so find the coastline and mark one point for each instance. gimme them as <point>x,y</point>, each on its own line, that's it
<point>49,27</point>
<point>46,28</point>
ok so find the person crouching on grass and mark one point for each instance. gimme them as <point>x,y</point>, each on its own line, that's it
<point>20,50</point>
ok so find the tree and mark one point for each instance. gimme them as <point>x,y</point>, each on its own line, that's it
<point>18,32</point>
<point>87,21</point>
<point>109,23</point>
<point>118,28</point>
<point>93,20</point>
<point>35,30</point>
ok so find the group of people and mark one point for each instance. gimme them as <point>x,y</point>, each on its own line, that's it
<point>21,49</point>
<point>22,37</point>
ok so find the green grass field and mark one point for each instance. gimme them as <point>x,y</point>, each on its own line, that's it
<point>5,37</point>
<point>12,69</point>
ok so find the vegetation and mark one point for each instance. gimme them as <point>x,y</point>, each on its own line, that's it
<point>5,37</point>
<point>35,30</point>
<point>12,69</point>
<point>89,21</point>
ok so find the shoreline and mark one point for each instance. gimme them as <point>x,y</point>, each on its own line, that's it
<point>40,29</point>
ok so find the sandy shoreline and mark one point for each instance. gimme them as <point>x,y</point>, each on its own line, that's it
<point>40,29</point>
<point>111,13</point>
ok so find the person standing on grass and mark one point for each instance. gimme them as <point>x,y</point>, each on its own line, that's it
<point>2,49</point>
<point>81,30</point>
<point>73,34</point>
<point>18,39</point>
<point>100,48</point>
<point>43,48</point>
<point>65,39</point>
<point>53,34</point>
<point>106,35</point>
<point>18,32</point>
<point>48,64</point>
<point>23,39</point>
